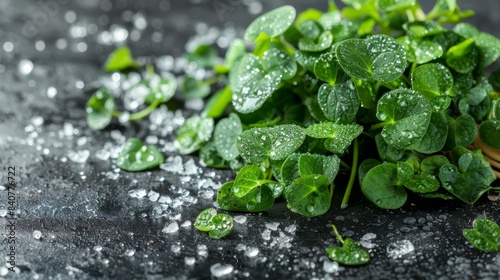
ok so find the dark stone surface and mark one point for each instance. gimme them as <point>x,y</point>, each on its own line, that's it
<point>78,206</point>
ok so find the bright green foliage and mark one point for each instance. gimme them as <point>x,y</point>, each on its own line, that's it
<point>338,136</point>
<point>217,225</point>
<point>193,133</point>
<point>120,60</point>
<point>100,109</point>
<point>382,187</point>
<point>309,195</point>
<point>485,235</point>
<point>193,88</point>
<point>489,131</point>
<point>137,157</point>
<point>349,254</point>
<point>273,23</point>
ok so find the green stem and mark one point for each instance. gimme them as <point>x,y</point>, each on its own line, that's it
<point>332,187</point>
<point>212,80</point>
<point>354,170</point>
<point>262,182</point>
<point>337,234</point>
<point>345,165</point>
<point>141,114</point>
<point>379,125</point>
<point>116,114</point>
<point>495,188</point>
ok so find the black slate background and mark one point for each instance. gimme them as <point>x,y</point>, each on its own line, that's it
<point>76,214</point>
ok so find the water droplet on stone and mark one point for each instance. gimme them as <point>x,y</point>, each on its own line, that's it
<point>37,234</point>
<point>221,270</point>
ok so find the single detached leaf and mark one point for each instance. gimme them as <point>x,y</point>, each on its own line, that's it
<point>277,59</point>
<point>257,144</point>
<point>461,131</point>
<point>407,114</point>
<point>222,226</point>
<point>339,103</point>
<point>485,235</point>
<point>137,157</point>
<point>192,88</point>
<point>120,60</point>
<point>258,199</point>
<point>470,179</point>
<point>251,85</point>
<point>349,254</point>
<point>434,138</point>
<point>310,164</point>
<point>378,57</point>
<point>225,134</point>
<point>272,23</point>
<point>381,186</point>
<point>193,133</point>
<point>204,220</point>
<point>323,42</point>
<point>309,196</point>
<point>326,68</point>
<point>489,132</point>
<point>431,80</point>
<point>100,109</point>
<point>338,136</point>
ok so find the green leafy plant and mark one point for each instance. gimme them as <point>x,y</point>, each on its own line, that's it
<point>137,157</point>
<point>350,253</point>
<point>485,235</point>
<point>321,91</point>
<point>217,225</point>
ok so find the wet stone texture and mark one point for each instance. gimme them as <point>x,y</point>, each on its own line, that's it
<point>79,217</point>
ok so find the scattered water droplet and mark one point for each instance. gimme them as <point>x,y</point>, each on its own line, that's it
<point>221,270</point>
<point>171,227</point>
<point>37,234</point>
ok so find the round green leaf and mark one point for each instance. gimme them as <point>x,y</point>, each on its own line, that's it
<point>461,131</point>
<point>236,50</point>
<point>407,114</point>
<point>309,196</point>
<point>137,157</point>
<point>339,103</point>
<point>290,169</point>
<point>225,134</point>
<point>489,132</point>
<point>272,23</point>
<point>222,226</point>
<point>433,163</point>
<point>485,235</point>
<point>310,29</point>
<point>366,166</point>
<point>378,57</point>
<point>276,59</point>
<point>159,88</point>
<point>256,200</point>
<point>434,138</point>
<point>431,80</point>
<point>323,42</point>
<point>326,68</point>
<point>204,220</point>
<point>193,133</point>
<point>386,152</point>
<point>463,57</point>
<point>120,60</point>
<point>311,164</point>
<point>338,136</point>
<point>381,186</point>
<point>251,85</point>
<point>100,109</point>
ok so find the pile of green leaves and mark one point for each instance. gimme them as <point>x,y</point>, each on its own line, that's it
<point>378,89</point>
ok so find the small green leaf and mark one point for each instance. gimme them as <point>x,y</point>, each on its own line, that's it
<point>323,42</point>
<point>463,57</point>
<point>252,88</point>
<point>310,164</point>
<point>349,254</point>
<point>203,55</point>
<point>420,29</point>
<point>217,104</point>
<point>338,136</point>
<point>395,5</point>
<point>485,235</point>
<point>378,57</point>
<point>193,133</point>
<point>340,102</point>
<point>277,59</point>
<point>434,138</point>
<point>204,220</point>
<point>489,132</point>
<point>461,131</point>
<point>192,88</point>
<point>470,179</point>
<point>222,226</point>
<point>307,59</point>
<point>225,135</point>
<point>290,169</point>
<point>431,80</point>
<point>488,44</point>
<point>272,23</point>
<point>381,186</point>
<point>120,60</point>
<point>433,163</point>
<point>309,196</point>
<point>366,166</point>
<point>256,200</point>
<point>420,182</point>
<point>326,68</point>
<point>309,29</point>
<point>407,114</point>
<point>159,88</point>
<point>387,152</point>
<point>137,157</point>
<point>235,51</point>
<point>100,109</point>
<point>257,144</point>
